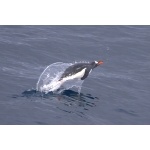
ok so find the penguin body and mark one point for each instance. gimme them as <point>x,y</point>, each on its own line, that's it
<point>79,71</point>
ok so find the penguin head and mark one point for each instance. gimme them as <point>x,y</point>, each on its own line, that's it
<point>97,63</point>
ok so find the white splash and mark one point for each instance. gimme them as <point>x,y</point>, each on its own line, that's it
<point>49,79</point>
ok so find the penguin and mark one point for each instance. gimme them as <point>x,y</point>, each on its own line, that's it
<point>79,70</point>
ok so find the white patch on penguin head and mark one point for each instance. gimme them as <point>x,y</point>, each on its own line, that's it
<point>96,62</point>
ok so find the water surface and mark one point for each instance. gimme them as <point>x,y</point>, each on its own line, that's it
<point>115,93</point>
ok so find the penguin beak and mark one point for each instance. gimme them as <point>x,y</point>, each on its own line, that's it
<point>100,62</point>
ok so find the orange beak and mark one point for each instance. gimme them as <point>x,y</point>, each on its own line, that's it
<point>100,62</point>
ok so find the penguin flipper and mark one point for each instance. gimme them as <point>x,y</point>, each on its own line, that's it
<point>83,78</point>
<point>85,75</point>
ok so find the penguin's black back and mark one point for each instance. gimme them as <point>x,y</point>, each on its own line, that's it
<point>75,69</point>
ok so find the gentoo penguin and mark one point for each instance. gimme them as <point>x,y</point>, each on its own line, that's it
<point>79,70</point>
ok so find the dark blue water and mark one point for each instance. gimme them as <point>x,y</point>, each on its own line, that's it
<point>118,92</point>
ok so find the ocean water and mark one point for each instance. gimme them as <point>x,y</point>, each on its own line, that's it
<point>116,93</point>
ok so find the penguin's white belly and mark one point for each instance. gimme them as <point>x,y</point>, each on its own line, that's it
<point>78,75</point>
